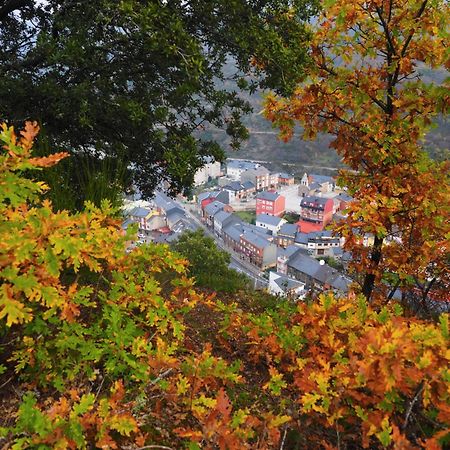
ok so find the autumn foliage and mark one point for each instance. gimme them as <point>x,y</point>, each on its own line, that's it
<point>103,348</point>
<point>366,87</point>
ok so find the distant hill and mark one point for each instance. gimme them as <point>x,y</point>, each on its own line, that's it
<point>298,155</point>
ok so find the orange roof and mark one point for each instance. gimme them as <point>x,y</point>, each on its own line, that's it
<point>308,227</point>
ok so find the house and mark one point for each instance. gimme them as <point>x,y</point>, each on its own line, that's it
<point>315,274</point>
<point>249,188</point>
<point>268,202</point>
<point>271,223</point>
<point>283,286</point>
<point>260,177</point>
<point>344,200</point>
<point>212,209</point>
<point>231,235</point>
<point>285,179</point>
<point>235,190</point>
<point>174,215</point>
<point>147,219</point>
<point>259,250</point>
<point>273,180</point>
<point>286,235</point>
<point>318,243</point>
<point>315,213</point>
<point>210,171</point>
<point>236,167</point>
<point>222,219</point>
<point>321,183</point>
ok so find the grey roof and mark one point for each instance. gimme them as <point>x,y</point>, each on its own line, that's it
<point>344,197</point>
<point>322,179</point>
<point>204,196</point>
<point>175,210</point>
<point>266,195</point>
<point>245,165</point>
<point>234,231</point>
<point>139,212</point>
<point>248,185</point>
<point>256,239</point>
<point>234,186</point>
<point>313,201</point>
<point>301,238</point>
<point>286,283</point>
<point>214,207</point>
<point>261,170</point>
<point>268,219</point>
<point>285,175</point>
<point>221,216</point>
<point>249,227</point>
<point>223,196</point>
<point>288,229</point>
<point>321,272</point>
<point>126,223</point>
<point>304,264</point>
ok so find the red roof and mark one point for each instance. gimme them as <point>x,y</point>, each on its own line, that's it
<point>164,230</point>
<point>308,227</point>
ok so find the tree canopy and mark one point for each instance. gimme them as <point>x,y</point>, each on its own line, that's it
<point>139,80</point>
<point>208,264</point>
<point>103,348</point>
<point>365,88</point>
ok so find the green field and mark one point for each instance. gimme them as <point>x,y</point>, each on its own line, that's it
<point>247,216</point>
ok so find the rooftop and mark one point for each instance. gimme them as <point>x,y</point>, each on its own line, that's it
<point>266,195</point>
<point>268,219</point>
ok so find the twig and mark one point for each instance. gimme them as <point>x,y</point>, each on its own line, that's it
<point>411,404</point>
<point>284,438</point>
<point>161,376</point>
<point>6,382</point>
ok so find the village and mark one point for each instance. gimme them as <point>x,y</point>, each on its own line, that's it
<point>276,230</point>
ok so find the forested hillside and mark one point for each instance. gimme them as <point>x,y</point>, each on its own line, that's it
<point>109,344</point>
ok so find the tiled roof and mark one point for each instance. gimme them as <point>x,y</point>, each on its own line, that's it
<point>248,185</point>
<point>286,284</point>
<point>322,179</point>
<point>288,229</point>
<point>213,208</point>
<point>234,231</point>
<point>317,202</point>
<point>256,239</point>
<point>245,165</point>
<point>266,195</point>
<point>139,212</point>
<point>221,216</point>
<point>268,219</point>
<point>285,175</point>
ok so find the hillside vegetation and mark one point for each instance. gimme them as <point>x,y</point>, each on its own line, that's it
<point>112,349</point>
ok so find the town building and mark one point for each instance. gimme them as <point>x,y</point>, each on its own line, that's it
<point>236,167</point>
<point>258,250</point>
<point>283,286</point>
<point>315,213</point>
<point>286,235</point>
<point>316,275</point>
<point>260,177</point>
<point>316,185</point>
<point>284,179</point>
<point>210,171</point>
<point>268,202</point>
<point>318,243</point>
<point>271,223</point>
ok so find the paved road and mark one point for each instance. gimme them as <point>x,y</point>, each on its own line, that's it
<point>237,263</point>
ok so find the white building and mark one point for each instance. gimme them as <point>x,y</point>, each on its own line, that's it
<point>269,222</point>
<point>210,171</point>
<point>235,168</point>
<point>284,286</point>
